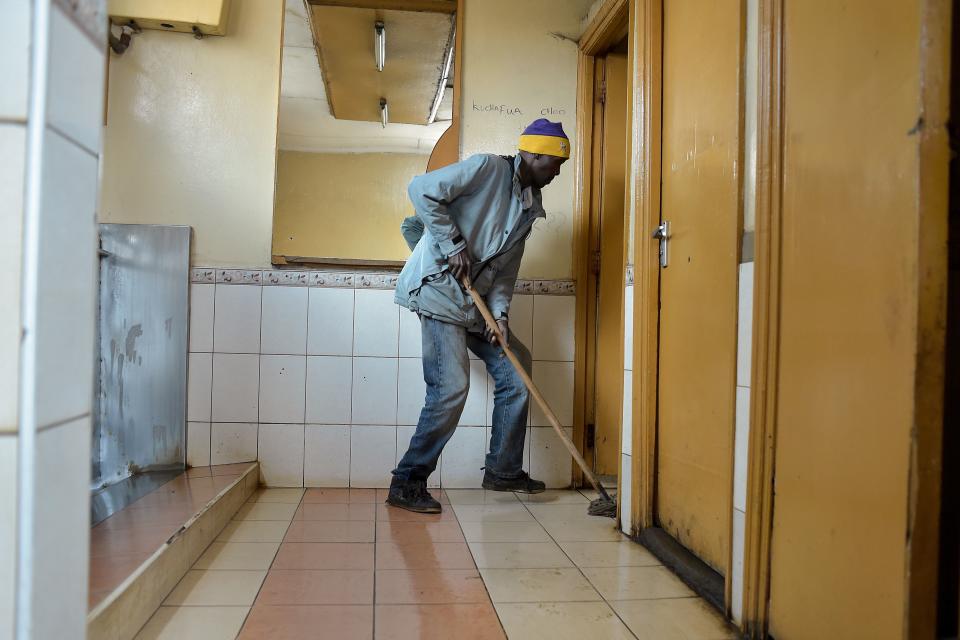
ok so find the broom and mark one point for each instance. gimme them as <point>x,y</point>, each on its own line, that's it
<point>602,506</point>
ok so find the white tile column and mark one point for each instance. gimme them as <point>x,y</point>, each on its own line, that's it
<point>51,114</point>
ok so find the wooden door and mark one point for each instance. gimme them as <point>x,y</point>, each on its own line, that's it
<point>858,284</point>
<point>611,243</point>
<point>700,199</point>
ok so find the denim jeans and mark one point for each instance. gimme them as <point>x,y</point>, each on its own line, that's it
<point>446,371</point>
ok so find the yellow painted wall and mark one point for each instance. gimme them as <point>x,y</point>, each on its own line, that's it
<point>191,134</point>
<point>515,71</point>
<point>343,205</point>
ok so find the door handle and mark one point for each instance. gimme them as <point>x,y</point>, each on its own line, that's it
<point>662,233</point>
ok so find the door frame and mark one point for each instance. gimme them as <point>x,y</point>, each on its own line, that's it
<point>925,456</point>
<point>643,22</point>
<point>607,27</point>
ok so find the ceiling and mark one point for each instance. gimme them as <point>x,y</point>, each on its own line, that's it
<point>306,122</point>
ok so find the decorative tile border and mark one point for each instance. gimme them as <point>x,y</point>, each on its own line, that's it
<point>348,280</point>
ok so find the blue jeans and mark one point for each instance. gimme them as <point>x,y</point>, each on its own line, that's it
<point>446,370</point>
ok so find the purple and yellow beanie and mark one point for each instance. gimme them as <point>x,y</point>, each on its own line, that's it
<point>546,138</point>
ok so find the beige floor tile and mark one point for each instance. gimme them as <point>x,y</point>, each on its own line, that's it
<point>572,511</point>
<point>518,555</point>
<point>504,532</point>
<point>254,531</point>
<point>585,530</point>
<point>266,511</point>
<point>479,496</point>
<point>673,619</point>
<point>217,588</point>
<point>637,583</point>
<point>278,495</point>
<point>538,585</point>
<point>194,623</point>
<point>561,621</point>
<point>625,553</point>
<point>252,556</point>
<point>496,512</point>
<point>554,496</point>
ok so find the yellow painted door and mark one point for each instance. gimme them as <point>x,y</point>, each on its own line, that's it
<point>698,304</point>
<point>608,392</point>
<point>848,333</point>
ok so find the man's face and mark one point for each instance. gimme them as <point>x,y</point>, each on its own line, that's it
<point>543,168</point>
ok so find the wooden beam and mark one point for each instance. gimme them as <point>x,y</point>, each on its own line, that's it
<point>433,6</point>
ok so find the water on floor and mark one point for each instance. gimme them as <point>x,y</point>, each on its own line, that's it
<point>338,563</point>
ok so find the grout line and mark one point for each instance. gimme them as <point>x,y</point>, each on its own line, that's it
<point>257,597</point>
<point>213,338</point>
<point>456,519</point>
<point>579,568</point>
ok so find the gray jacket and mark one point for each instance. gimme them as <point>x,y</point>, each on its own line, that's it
<point>477,203</point>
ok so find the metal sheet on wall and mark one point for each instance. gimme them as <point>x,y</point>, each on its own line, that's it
<point>142,390</point>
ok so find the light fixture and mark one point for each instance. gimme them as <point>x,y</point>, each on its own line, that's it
<point>444,79</point>
<point>380,44</point>
<point>384,112</point>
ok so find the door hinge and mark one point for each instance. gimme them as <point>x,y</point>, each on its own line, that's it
<point>595,263</point>
<point>591,435</point>
<point>602,94</point>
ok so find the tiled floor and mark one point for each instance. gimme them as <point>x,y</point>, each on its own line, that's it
<point>122,542</point>
<point>338,563</point>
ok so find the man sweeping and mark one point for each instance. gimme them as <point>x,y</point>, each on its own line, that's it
<point>472,220</point>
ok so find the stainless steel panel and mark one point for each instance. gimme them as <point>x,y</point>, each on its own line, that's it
<point>144,290</point>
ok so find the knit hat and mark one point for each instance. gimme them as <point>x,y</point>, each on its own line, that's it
<point>546,138</point>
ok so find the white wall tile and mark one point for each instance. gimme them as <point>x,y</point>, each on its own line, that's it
<point>61,535</point>
<point>553,319</point>
<point>329,389</point>
<point>282,388</point>
<point>201,317</point>
<point>744,324</point>
<point>555,381</point>
<point>375,391</point>
<point>235,387</point>
<point>626,421</point>
<point>75,82</point>
<point>549,459</point>
<point>8,525</point>
<point>236,327</point>
<point>330,322</point>
<point>280,452</point>
<point>628,327</point>
<point>66,304</point>
<point>526,446</point>
<point>463,458</point>
<point>283,324</point>
<point>521,319</point>
<point>233,442</point>
<point>475,410</point>
<point>326,457</point>
<point>411,391</point>
<point>198,444</point>
<point>199,381</point>
<point>12,157</point>
<point>736,588</point>
<point>626,491</point>
<point>376,322</point>
<point>373,451</point>
<point>404,434</point>
<point>411,339</point>
<point>15,62</point>
<point>741,449</point>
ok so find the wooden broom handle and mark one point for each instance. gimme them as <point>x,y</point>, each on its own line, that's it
<point>537,396</point>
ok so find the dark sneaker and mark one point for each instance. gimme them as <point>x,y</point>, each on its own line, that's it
<point>521,484</point>
<point>413,496</point>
